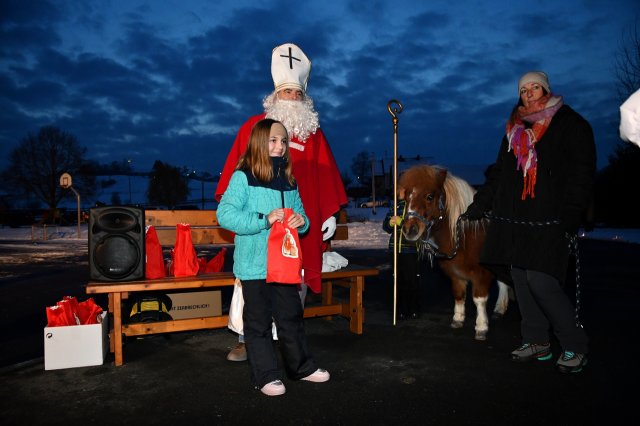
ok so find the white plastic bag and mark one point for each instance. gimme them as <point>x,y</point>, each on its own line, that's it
<point>332,261</point>
<point>235,309</point>
<point>235,312</point>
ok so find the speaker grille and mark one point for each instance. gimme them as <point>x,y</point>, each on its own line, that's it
<point>116,256</point>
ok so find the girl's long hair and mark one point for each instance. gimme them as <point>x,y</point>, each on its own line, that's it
<point>256,158</point>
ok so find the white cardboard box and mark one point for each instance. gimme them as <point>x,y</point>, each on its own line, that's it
<point>195,304</point>
<point>76,345</point>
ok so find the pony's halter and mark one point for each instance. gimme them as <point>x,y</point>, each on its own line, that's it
<point>429,223</point>
<point>425,245</point>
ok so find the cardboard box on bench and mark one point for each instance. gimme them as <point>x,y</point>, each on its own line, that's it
<point>195,304</point>
<point>76,345</point>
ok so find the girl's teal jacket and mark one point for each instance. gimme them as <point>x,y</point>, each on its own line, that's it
<point>244,208</point>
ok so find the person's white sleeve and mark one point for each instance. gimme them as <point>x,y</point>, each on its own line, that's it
<point>328,228</point>
<point>630,119</point>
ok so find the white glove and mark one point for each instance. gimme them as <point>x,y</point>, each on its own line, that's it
<point>328,228</point>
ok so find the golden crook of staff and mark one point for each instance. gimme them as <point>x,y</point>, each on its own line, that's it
<point>394,111</point>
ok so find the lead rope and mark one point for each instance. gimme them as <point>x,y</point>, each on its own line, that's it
<point>573,249</point>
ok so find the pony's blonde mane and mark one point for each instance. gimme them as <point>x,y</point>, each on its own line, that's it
<point>459,194</point>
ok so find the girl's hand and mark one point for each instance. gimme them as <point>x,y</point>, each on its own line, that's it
<point>395,220</point>
<point>276,215</point>
<point>296,220</point>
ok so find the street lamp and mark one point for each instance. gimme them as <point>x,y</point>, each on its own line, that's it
<point>202,191</point>
<point>129,175</point>
<point>373,182</point>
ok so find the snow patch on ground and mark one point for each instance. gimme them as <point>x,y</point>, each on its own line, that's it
<point>365,231</point>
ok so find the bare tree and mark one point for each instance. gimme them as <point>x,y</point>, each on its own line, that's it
<point>628,63</point>
<point>612,182</point>
<point>39,161</point>
<point>167,186</point>
<point>361,167</point>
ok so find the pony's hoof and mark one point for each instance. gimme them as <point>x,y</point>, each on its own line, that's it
<point>497,316</point>
<point>456,324</point>
<point>481,335</point>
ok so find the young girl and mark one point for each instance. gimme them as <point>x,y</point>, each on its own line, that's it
<point>259,190</point>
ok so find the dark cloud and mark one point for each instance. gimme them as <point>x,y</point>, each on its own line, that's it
<point>173,82</point>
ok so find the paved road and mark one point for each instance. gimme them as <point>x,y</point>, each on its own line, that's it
<point>417,372</point>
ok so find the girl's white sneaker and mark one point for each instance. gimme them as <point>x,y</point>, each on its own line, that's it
<point>318,376</point>
<point>274,388</point>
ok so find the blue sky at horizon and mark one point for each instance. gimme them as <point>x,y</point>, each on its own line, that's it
<point>173,80</point>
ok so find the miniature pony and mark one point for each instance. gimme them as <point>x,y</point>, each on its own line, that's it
<point>435,200</point>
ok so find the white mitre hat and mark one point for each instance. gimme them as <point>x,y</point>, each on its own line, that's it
<point>290,67</point>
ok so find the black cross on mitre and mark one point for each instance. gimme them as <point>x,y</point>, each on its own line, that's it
<point>291,58</point>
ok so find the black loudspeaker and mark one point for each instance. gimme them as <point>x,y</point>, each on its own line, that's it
<point>116,243</point>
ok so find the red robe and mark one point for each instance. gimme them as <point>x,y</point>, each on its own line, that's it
<point>319,184</point>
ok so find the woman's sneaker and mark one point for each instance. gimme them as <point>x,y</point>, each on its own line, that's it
<point>571,362</point>
<point>530,351</point>
<point>318,376</point>
<point>274,388</point>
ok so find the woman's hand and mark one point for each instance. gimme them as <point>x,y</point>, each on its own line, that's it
<point>296,221</point>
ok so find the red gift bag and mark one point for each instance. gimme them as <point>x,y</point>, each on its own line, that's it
<point>69,311</point>
<point>284,258</point>
<point>68,306</point>
<point>185,260</point>
<point>72,301</point>
<point>154,266</point>
<point>88,312</point>
<point>56,317</point>
<point>216,264</point>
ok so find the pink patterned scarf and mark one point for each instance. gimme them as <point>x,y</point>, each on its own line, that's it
<point>523,140</point>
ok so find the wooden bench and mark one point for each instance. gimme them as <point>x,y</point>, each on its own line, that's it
<point>205,231</point>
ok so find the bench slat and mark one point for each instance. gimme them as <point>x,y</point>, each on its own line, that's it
<point>205,229</point>
<point>173,217</point>
<point>213,236</point>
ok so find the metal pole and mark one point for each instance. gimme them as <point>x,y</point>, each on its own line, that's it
<point>394,111</point>
<point>373,183</point>
<point>78,203</point>
<point>129,161</point>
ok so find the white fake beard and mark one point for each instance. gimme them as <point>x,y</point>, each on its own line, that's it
<point>298,117</point>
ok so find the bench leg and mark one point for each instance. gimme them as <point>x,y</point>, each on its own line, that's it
<point>327,295</point>
<point>117,328</point>
<point>355,305</point>
<point>110,309</point>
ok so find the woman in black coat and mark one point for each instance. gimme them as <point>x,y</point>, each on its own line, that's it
<point>544,173</point>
